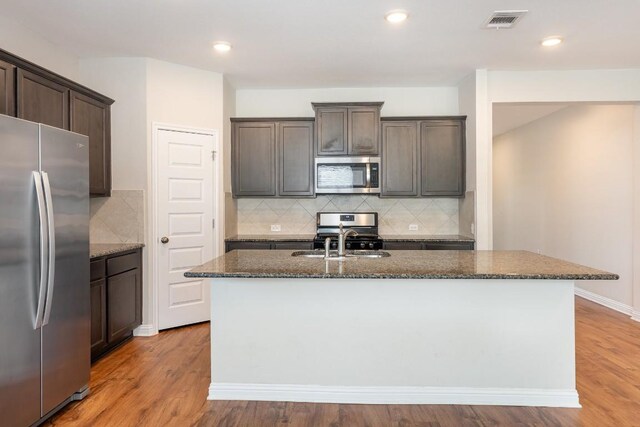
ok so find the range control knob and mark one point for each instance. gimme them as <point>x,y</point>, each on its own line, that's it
<point>334,245</point>
<point>362,245</point>
<point>371,245</point>
<point>348,245</point>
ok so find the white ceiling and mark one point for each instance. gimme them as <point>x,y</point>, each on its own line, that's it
<point>507,117</point>
<point>341,43</point>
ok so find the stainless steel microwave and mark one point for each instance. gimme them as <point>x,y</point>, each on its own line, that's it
<point>347,175</point>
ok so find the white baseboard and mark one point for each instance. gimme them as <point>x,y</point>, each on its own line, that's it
<point>147,330</point>
<point>635,315</point>
<point>395,395</point>
<point>607,302</point>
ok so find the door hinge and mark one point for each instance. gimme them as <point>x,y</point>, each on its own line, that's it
<point>213,154</point>
<point>213,223</point>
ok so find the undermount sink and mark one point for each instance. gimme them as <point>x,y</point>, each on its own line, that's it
<point>333,255</point>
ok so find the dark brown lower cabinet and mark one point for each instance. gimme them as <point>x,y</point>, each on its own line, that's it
<point>416,245</point>
<point>402,246</point>
<point>231,245</point>
<point>98,316</point>
<point>121,304</point>
<point>429,246</point>
<point>116,300</point>
<point>449,246</point>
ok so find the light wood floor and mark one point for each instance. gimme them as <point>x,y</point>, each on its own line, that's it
<point>163,381</point>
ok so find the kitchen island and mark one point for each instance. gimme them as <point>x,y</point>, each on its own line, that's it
<point>449,327</point>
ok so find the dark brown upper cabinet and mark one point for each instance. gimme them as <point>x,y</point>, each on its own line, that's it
<point>7,89</point>
<point>400,174</point>
<point>253,153</point>
<point>272,157</point>
<point>332,131</point>
<point>42,100</point>
<point>33,93</point>
<point>442,156</point>
<point>92,118</point>
<point>364,125</point>
<point>423,156</point>
<point>295,146</point>
<point>347,128</point>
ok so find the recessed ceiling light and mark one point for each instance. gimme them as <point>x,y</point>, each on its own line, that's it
<point>551,41</point>
<point>396,16</point>
<point>222,46</point>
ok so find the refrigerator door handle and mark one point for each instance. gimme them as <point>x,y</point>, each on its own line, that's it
<point>52,247</point>
<point>37,180</point>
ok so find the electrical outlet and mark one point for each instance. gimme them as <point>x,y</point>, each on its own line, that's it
<point>275,227</point>
<point>413,227</point>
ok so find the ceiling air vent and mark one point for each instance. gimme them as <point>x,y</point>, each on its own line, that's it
<point>503,19</point>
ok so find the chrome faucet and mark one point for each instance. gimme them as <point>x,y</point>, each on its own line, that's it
<point>327,247</point>
<point>342,237</point>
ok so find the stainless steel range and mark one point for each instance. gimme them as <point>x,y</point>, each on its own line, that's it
<point>364,226</point>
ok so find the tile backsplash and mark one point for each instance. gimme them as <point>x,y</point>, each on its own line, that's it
<point>119,218</point>
<point>298,216</point>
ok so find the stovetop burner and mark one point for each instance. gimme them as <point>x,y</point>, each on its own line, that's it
<point>364,223</point>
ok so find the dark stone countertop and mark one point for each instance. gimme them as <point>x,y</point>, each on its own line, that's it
<point>276,237</point>
<point>426,238</point>
<point>400,265</point>
<point>97,250</point>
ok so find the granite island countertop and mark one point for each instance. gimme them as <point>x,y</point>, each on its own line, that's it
<point>400,265</point>
<point>97,250</point>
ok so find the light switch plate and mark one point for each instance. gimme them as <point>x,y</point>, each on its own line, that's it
<point>413,227</point>
<point>275,227</point>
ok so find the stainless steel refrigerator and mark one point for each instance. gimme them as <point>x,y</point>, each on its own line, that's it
<point>44,270</point>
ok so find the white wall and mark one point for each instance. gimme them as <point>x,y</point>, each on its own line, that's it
<point>563,185</point>
<point>473,93</point>
<point>183,95</point>
<point>147,91</point>
<point>398,101</point>
<point>636,212</point>
<point>187,97</point>
<point>229,110</point>
<point>125,81</point>
<point>467,100</point>
<point>230,204</point>
<point>31,46</point>
<point>607,86</point>
<point>565,86</point>
<point>467,106</point>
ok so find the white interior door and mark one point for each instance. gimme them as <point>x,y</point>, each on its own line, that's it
<point>185,225</point>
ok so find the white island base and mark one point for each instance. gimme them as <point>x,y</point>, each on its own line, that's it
<point>418,341</point>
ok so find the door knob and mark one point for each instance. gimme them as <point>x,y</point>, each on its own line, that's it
<point>164,240</point>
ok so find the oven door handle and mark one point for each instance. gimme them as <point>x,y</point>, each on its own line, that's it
<point>368,175</point>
